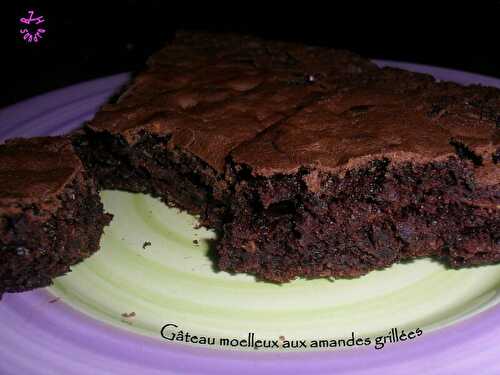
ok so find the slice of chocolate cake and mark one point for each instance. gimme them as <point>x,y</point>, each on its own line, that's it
<point>202,96</point>
<point>51,216</point>
<point>310,161</point>
<point>391,167</point>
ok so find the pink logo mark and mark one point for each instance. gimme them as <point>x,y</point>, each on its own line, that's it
<point>32,34</point>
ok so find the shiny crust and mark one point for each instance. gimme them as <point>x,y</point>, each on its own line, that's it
<point>212,93</point>
<point>390,114</point>
<point>275,107</point>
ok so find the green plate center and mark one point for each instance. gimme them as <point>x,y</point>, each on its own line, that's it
<point>141,287</point>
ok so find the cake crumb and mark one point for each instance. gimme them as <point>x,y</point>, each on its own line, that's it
<point>128,315</point>
<point>250,247</point>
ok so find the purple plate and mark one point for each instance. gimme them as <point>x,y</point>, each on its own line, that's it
<point>39,337</point>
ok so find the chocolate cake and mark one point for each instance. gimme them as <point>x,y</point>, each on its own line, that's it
<point>392,167</point>
<point>202,96</point>
<point>309,161</point>
<point>51,216</point>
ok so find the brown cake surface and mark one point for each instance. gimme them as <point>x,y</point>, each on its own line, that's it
<point>387,113</point>
<point>212,92</point>
<point>310,161</point>
<point>50,213</point>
